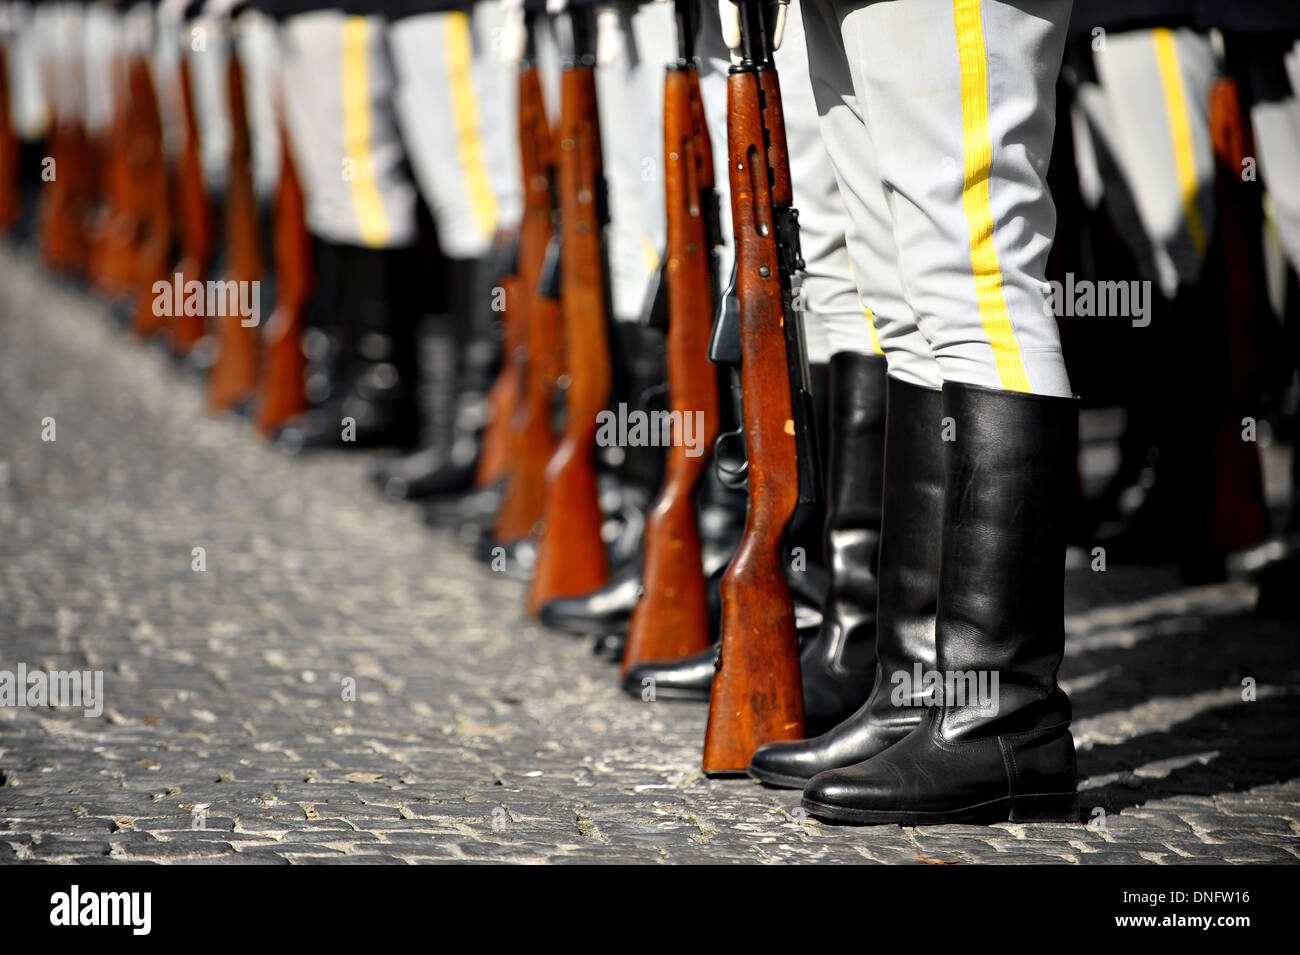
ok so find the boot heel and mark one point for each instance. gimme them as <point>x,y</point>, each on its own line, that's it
<point>1045,807</point>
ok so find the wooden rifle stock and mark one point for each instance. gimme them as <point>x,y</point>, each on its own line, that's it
<point>504,396</point>
<point>571,558</point>
<point>51,211</point>
<point>194,215</point>
<point>150,178</point>
<point>113,253</point>
<point>1239,514</point>
<point>10,200</point>
<point>671,620</point>
<point>757,696</point>
<point>534,335</point>
<point>66,199</point>
<point>232,378</point>
<point>282,388</point>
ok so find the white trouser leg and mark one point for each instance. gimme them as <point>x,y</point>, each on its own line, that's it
<point>959,97</point>
<point>28,107</point>
<point>1275,116</point>
<point>257,44</point>
<point>548,52</point>
<point>164,64</point>
<point>499,124</point>
<point>1153,119</point>
<point>208,54</point>
<point>870,238</point>
<point>437,105</point>
<point>338,87</point>
<point>101,45</point>
<point>629,97</point>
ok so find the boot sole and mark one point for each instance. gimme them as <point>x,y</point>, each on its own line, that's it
<point>777,780</point>
<point>673,695</point>
<point>1038,807</point>
<point>584,627</point>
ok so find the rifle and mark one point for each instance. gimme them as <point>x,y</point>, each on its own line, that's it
<point>232,378</point>
<point>757,696</point>
<point>533,331</point>
<point>67,198</point>
<point>113,253</point>
<point>571,558</point>
<point>506,392</point>
<point>51,206</point>
<point>1238,516</point>
<point>671,620</point>
<point>282,388</point>
<point>10,196</point>
<point>194,214</point>
<point>149,176</point>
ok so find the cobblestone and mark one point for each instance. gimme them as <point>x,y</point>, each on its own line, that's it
<point>475,735</point>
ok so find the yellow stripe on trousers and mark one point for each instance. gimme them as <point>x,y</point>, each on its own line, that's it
<point>649,254</point>
<point>870,315</point>
<point>372,219</point>
<point>978,146</point>
<point>871,327</point>
<point>464,109</point>
<point>1180,131</point>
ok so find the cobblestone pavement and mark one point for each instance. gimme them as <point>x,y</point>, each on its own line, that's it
<point>474,734</point>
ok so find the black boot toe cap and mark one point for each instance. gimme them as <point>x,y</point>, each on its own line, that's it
<point>787,765</point>
<point>609,608</point>
<point>609,646</point>
<point>689,679</point>
<point>854,793</point>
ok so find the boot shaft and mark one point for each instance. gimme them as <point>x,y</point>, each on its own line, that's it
<point>910,534</point>
<point>1009,479</point>
<point>839,664</point>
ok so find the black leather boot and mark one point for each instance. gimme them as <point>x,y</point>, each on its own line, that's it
<point>456,394</point>
<point>328,340</point>
<point>609,646</point>
<point>1007,753</point>
<point>690,678</point>
<point>373,357</point>
<point>839,664</point>
<point>610,607</point>
<point>907,584</point>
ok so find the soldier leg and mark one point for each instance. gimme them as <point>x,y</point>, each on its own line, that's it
<point>360,206</point>
<point>1152,118</point>
<point>1275,117</point>
<point>1147,121</point>
<point>958,96</point>
<point>905,429</point>
<point>438,105</point>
